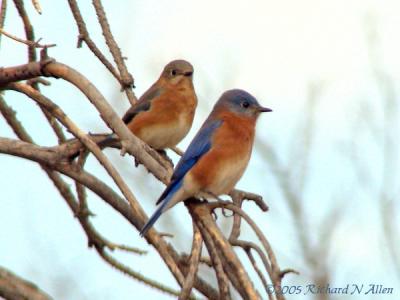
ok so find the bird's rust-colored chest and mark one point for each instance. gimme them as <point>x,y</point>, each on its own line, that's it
<point>176,104</point>
<point>169,118</point>
<point>222,166</point>
<point>235,136</point>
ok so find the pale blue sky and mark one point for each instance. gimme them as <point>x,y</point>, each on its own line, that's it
<point>274,49</point>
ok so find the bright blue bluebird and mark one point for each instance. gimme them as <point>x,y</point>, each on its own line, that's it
<point>217,156</point>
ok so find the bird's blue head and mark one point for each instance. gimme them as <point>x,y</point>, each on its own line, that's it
<point>242,103</point>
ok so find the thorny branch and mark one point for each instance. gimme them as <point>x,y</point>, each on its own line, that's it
<point>123,77</point>
<point>126,77</point>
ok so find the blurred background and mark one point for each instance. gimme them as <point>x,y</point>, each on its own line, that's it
<point>326,160</point>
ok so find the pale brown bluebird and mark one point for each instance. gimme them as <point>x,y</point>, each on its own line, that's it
<point>164,114</point>
<point>217,156</point>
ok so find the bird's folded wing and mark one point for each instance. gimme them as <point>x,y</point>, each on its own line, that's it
<point>143,104</point>
<point>200,145</point>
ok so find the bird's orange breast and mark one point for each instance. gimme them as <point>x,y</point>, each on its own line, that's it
<point>222,166</point>
<point>168,120</point>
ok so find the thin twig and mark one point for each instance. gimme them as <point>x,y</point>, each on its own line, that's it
<point>37,7</point>
<point>30,37</point>
<point>243,195</point>
<point>83,209</point>
<point>77,132</point>
<point>99,243</point>
<point>201,212</point>
<point>135,250</point>
<point>193,263</point>
<point>84,36</point>
<point>203,260</point>
<point>29,34</point>
<point>258,271</point>
<point>113,262</point>
<point>34,81</point>
<point>275,271</point>
<point>3,12</point>
<point>247,246</point>
<point>223,281</point>
<point>126,78</point>
<point>10,116</point>
<point>26,42</point>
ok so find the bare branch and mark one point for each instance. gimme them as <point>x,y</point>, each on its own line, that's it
<point>223,281</point>
<point>26,42</point>
<point>37,7</point>
<point>14,287</point>
<point>126,78</point>
<point>29,34</point>
<point>275,271</point>
<point>92,146</point>
<point>84,36</point>
<point>193,264</point>
<point>136,218</point>
<point>3,11</point>
<point>54,160</point>
<point>22,72</point>
<point>138,276</point>
<point>201,212</point>
<point>94,237</point>
<point>238,196</point>
<point>247,246</point>
<point>132,144</point>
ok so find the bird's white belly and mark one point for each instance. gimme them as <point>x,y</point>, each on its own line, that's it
<point>161,137</point>
<point>227,177</point>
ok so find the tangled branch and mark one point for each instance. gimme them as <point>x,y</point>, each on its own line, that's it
<point>229,270</point>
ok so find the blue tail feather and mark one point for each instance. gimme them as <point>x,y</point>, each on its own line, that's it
<point>153,219</point>
<point>161,208</point>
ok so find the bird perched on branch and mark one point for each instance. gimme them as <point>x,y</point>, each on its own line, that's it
<point>164,114</point>
<point>217,156</point>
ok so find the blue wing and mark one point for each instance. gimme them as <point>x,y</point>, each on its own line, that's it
<point>197,148</point>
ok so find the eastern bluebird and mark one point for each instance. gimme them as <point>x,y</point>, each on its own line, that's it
<point>164,114</point>
<point>217,156</point>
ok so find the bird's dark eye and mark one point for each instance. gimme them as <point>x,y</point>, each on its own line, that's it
<point>173,72</point>
<point>245,104</point>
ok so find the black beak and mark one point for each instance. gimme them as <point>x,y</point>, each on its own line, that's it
<point>264,109</point>
<point>188,74</point>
